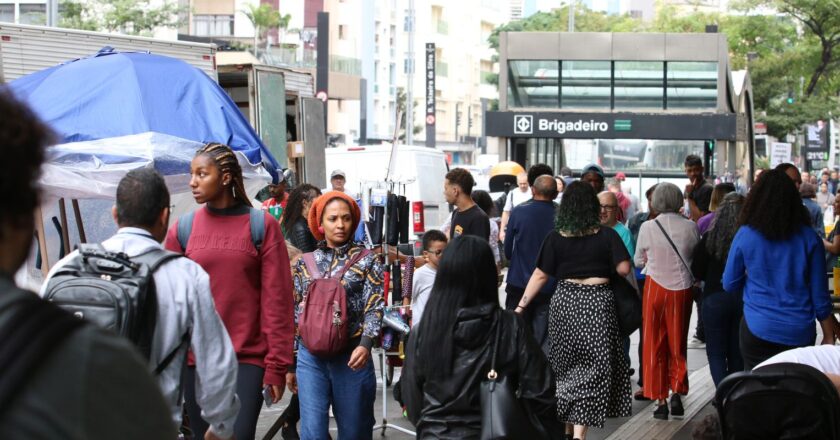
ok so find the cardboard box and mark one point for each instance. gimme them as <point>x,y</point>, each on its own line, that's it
<point>295,149</point>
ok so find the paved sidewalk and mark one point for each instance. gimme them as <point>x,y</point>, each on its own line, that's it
<point>674,428</point>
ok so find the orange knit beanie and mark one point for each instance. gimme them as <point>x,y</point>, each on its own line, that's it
<point>317,210</point>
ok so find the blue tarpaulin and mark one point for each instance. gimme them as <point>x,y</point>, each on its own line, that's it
<point>115,94</point>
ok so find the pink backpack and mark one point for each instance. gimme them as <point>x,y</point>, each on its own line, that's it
<point>324,320</point>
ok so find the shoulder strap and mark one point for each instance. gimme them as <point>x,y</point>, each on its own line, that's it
<point>34,331</point>
<point>155,258</point>
<point>312,266</point>
<point>257,227</point>
<point>185,338</point>
<point>185,229</point>
<point>353,260</point>
<point>493,374</point>
<point>674,247</point>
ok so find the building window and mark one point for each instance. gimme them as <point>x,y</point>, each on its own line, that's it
<point>342,32</point>
<point>692,85</point>
<point>533,83</point>
<point>33,14</point>
<point>639,85</point>
<point>213,25</point>
<point>7,13</point>
<point>586,84</point>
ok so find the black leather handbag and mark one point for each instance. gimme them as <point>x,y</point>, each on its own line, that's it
<point>503,415</point>
<point>628,305</point>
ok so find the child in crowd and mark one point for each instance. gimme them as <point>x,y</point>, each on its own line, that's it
<point>434,242</point>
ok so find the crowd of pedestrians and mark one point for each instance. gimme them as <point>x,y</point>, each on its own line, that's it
<point>250,302</point>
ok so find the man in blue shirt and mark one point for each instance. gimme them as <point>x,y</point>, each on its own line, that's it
<point>529,224</point>
<point>808,192</point>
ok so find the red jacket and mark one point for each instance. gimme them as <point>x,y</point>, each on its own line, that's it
<point>252,291</point>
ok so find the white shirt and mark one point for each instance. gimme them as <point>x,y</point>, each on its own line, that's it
<point>185,303</point>
<point>421,288</point>
<point>515,197</point>
<point>825,358</point>
<point>656,255</point>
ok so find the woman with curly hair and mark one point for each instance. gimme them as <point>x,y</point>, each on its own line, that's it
<point>585,352</point>
<point>722,311</point>
<point>665,249</point>
<point>778,261</point>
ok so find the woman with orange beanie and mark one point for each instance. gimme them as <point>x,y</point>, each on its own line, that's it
<point>346,380</point>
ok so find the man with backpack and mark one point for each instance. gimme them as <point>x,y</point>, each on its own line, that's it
<point>175,310</point>
<point>59,377</point>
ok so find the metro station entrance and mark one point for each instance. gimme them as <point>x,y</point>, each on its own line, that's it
<point>632,103</point>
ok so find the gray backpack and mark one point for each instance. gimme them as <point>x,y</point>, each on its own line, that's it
<point>257,221</point>
<point>115,292</point>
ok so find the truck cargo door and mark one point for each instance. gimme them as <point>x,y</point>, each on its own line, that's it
<point>270,121</point>
<point>314,142</point>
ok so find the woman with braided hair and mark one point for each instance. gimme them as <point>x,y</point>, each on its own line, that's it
<point>250,279</point>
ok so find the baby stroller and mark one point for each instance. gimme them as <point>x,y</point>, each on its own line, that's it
<point>780,401</point>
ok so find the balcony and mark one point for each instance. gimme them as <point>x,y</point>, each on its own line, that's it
<point>348,65</point>
<point>293,57</point>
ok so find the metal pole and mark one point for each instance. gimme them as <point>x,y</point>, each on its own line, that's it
<point>409,75</point>
<point>571,15</point>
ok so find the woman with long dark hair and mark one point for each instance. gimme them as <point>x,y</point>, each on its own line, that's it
<point>294,222</point>
<point>779,262</point>
<point>585,351</point>
<point>250,281</point>
<point>722,311</point>
<point>448,353</point>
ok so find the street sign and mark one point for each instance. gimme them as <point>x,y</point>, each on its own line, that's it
<point>322,95</point>
<point>622,125</point>
<point>431,100</point>
<point>760,128</point>
<point>780,152</point>
<point>430,119</point>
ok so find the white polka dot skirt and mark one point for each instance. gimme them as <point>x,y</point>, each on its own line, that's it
<point>587,356</point>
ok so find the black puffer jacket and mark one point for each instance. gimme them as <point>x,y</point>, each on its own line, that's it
<point>301,237</point>
<point>451,408</point>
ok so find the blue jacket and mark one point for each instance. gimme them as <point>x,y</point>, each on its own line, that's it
<point>529,224</point>
<point>784,283</point>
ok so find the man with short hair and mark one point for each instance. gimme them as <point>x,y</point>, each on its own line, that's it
<point>467,218</point>
<point>593,175</point>
<point>91,384</point>
<point>609,218</point>
<point>434,243</point>
<point>808,193</point>
<point>514,198</point>
<point>277,202</point>
<point>698,192</point>
<point>529,224</point>
<point>185,306</point>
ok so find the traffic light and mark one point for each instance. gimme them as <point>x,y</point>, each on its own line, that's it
<point>790,100</point>
<point>710,145</point>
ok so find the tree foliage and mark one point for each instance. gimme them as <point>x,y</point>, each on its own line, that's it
<point>132,17</point>
<point>801,41</point>
<point>265,18</point>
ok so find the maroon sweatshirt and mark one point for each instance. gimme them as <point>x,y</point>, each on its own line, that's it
<point>252,291</point>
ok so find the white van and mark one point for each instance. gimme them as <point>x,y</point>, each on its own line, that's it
<point>424,168</point>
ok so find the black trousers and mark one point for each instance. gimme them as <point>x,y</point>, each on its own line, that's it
<point>755,350</point>
<point>535,315</point>
<point>249,382</point>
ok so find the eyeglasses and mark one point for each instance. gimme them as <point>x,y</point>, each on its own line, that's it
<point>609,207</point>
<point>436,253</point>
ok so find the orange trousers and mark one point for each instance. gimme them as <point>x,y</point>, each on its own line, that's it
<point>665,318</point>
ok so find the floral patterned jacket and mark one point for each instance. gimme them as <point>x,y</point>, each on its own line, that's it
<point>362,282</point>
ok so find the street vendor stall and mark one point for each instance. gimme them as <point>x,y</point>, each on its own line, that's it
<point>114,112</point>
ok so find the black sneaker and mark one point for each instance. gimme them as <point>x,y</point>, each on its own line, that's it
<point>661,412</point>
<point>677,406</point>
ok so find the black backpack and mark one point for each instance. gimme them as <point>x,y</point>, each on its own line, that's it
<point>113,291</point>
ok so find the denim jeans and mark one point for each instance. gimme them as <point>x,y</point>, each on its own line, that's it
<point>722,312</point>
<point>322,382</point>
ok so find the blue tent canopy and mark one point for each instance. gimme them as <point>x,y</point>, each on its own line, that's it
<point>115,94</point>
